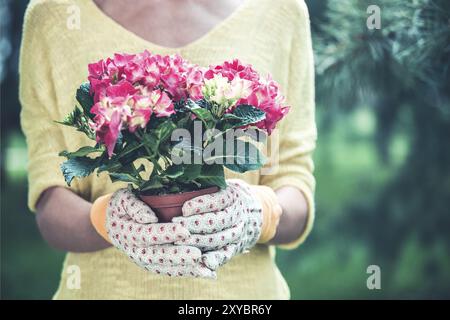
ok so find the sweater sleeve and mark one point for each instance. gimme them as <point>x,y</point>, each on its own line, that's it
<point>294,142</point>
<point>45,138</point>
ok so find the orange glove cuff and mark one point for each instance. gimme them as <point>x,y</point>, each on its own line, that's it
<point>271,212</point>
<point>98,215</point>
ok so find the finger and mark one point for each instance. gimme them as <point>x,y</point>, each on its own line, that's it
<point>239,185</point>
<point>208,242</point>
<point>215,259</point>
<point>198,271</point>
<point>208,203</point>
<point>137,235</point>
<point>126,203</point>
<point>166,255</point>
<point>211,222</point>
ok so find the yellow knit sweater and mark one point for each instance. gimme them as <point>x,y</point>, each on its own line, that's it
<point>273,36</point>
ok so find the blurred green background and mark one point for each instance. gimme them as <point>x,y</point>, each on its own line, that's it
<point>382,160</point>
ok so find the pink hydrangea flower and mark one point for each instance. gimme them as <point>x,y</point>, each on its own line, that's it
<point>195,83</point>
<point>161,103</point>
<point>129,89</point>
<point>142,111</point>
<point>108,129</point>
<point>232,69</point>
<point>261,93</point>
<point>267,97</point>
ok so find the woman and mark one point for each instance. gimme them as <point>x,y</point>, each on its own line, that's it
<point>273,36</point>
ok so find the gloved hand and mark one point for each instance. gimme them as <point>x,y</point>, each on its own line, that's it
<point>132,227</point>
<point>228,222</point>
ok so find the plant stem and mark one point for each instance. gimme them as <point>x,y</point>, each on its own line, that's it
<point>136,173</point>
<point>129,151</point>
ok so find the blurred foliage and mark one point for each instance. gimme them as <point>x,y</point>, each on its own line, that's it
<point>401,70</point>
<point>382,162</point>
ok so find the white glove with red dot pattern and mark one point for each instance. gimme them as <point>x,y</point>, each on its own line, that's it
<point>222,224</point>
<point>133,228</point>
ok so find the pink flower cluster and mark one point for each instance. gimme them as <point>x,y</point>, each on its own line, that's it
<point>129,89</point>
<point>263,93</point>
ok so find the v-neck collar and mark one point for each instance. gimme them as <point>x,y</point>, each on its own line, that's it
<point>197,42</point>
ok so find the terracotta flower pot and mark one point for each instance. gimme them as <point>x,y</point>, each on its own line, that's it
<point>169,205</point>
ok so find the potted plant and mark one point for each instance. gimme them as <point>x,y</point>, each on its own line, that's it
<point>186,121</point>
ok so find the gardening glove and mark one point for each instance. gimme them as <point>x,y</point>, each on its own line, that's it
<point>230,221</point>
<point>131,226</point>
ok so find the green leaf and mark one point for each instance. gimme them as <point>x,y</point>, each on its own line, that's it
<point>191,172</point>
<point>186,146</point>
<point>80,121</point>
<point>72,119</point>
<point>230,116</point>
<point>184,173</point>
<point>245,157</point>
<point>174,171</point>
<point>125,177</point>
<point>203,103</point>
<point>212,175</point>
<point>183,121</point>
<point>85,99</point>
<point>78,168</point>
<point>203,114</point>
<point>243,115</point>
<point>150,143</point>
<point>130,152</point>
<point>152,184</point>
<point>109,165</point>
<point>164,130</point>
<point>83,151</point>
<point>156,137</point>
<point>174,189</point>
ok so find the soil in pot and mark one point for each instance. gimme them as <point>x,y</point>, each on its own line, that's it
<point>169,206</point>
